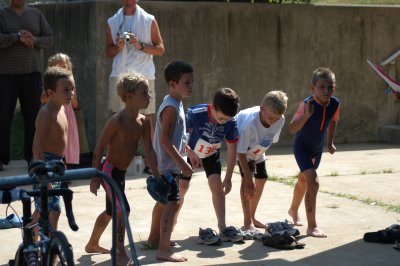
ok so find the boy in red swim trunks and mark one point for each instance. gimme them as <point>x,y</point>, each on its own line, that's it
<point>121,134</point>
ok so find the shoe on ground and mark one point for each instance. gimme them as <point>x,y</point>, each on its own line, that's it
<point>231,234</point>
<point>208,236</point>
<point>252,235</point>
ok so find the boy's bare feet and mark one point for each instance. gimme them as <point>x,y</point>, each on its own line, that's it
<point>258,224</point>
<point>316,232</point>
<point>170,256</point>
<point>96,249</point>
<point>124,260</point>
<point>250,228</point>
<point>295,216</point>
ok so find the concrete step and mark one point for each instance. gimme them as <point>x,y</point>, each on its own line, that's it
<point>389,134</point>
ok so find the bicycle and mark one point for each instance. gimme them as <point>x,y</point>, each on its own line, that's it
<point>53,245</point>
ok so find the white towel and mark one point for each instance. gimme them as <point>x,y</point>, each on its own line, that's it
<point>133,59</point>
<point>115,23</point>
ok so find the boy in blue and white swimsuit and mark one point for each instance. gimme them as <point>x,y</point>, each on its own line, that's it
<point>208,125</point>
<point>316,115</point>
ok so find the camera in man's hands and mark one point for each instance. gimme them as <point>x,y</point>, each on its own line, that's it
<point>127,36</point>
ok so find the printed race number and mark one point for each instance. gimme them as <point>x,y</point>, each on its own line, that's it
<point>204,149</point>
<point>256,152</point>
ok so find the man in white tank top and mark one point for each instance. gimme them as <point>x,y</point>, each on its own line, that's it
<point>132,38</point>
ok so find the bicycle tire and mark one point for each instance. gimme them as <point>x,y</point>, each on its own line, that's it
<point>20,259</point>
<point>59,247</point>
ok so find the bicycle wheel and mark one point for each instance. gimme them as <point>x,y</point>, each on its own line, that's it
<point>20,259</point>
<point>59,250</point>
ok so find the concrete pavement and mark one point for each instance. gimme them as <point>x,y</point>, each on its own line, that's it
<point>357,183</point>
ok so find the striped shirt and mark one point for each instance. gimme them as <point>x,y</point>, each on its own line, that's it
<point>15,57</point>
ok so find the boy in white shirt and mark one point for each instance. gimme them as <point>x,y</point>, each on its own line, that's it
<point>258,127</point>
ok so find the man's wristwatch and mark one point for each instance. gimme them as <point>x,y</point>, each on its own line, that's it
<point>142,46</point>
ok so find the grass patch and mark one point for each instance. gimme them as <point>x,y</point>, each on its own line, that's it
<point>368,201</point>
<point>387,171</point>
<point>386,206</point>
<point>372,202</point>
<point>342,195</point>
<point>384,171</point>
<point>287,181</point>
<point>334,173</point>
<point>357,2</point>
<point>333,206</point>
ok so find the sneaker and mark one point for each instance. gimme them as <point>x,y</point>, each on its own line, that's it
<point>232,234</point>
<point>208,236</point>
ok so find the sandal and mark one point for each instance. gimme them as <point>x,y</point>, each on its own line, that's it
<point>11,221</point>
<point>284,241</point>
<point>387,235</point>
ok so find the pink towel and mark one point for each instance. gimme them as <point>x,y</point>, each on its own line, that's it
<point>72,148</point>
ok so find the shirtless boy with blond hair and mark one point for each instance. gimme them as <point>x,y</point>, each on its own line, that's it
<point>121,135</point>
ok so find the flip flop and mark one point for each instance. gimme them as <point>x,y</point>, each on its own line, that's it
<point>11,221</point>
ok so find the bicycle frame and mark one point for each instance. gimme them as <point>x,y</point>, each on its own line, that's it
<point>81,174</point>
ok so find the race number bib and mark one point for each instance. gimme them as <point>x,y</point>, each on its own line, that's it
<point>204,149</point>
<point>256,152</point>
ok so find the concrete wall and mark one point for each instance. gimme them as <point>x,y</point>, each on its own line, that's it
<point>252,48</point>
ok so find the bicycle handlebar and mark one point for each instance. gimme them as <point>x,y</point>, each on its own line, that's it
<point>10,182</point>
<point>10,195</point>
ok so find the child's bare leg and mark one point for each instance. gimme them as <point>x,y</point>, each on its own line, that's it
<point>259,186</point>
<point>247,223</point>
<point>53,218</point>
<point>100,225</point>
<point>218,199</point>
<point>298,195</point>
<point>167,220</point>
<point>183,189</point>
<point>154,236</point>
<point>310,203</point>
<point>122,257</point>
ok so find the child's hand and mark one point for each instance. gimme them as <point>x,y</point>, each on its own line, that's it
<point>226,186</point>
<point>249,189</point>
<point>187,170</point>
<point>194,159</point>
<point>94,185</point>
<point>331,148</point>
<point>309,108</point>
